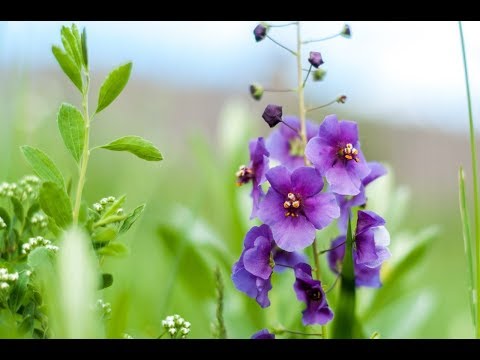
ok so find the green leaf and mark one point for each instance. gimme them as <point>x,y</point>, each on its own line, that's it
<point>6,217</point>
<point>468,244</point>
<point>55,202</point>
<point>17,209</point>
<point>18,293</point>
<point>69,67</point>
<point>43,166</point>
<point>136,145</point>
<point>107,281</point>
<point>108,220</point>
<point>132,218</point>
<point>84,48</point>
<point>112,210</point>
<point>113,85</point>
<point>114,249</point>
<point>71,45</point>
<point>104,235</point>
<point>72,128</point>
<point>344,321</point>
<point>40,257</point>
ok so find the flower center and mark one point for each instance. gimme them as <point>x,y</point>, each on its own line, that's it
<point>244,175</point>
<point>292,205</point>
<point>314,294</point>
<point>297,147</point>
<point>349,153</point>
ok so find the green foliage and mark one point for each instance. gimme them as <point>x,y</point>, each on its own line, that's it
<point>113,85</point>
<point>43,166</point>
<point>137,146</point>
<point>72,128</point>
<point>69,67</point>
<point>55,202</point>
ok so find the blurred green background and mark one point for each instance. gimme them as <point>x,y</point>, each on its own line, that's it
<point>196,217</point>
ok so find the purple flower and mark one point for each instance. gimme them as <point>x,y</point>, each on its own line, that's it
<point>370,250</point>
<point>255,171</point>
<point>336,153</point>
<point>315,59</point>
<point>252,273</point>
<point>310,291</point>
<point>260,32</point>
<point>272,115</point>
<point>263,335</point>
<point>364,276</point>
<point>295,206</point>
<point>346,202</point>
<point>286,146</point>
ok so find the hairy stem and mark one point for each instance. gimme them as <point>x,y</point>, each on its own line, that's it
<point>85,154</point>
<point>303,135</point>
<point>473,151</point>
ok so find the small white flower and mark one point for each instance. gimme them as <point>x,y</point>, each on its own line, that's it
<point>97,207</point>
<point>4,285</point>
<point>111,199</point>
<point>184,331</point>
<point>187,324</point>
<point>170,324</point>
<point>169,318</point>
<point>172,331</point>
<point>28,273</point>
<point>104,201</point>
<point>180,321</point>
<point>164,323</point>
<point>13,277</point>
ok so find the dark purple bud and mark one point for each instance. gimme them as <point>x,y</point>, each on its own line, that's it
<point>315,59</point>
<point>346,32</point>
<point>272,115</point>
<point>263,334</point>
<point>256,91</point>
<point>260,32</point>
<point>319,74</point>
<point>342,99</point>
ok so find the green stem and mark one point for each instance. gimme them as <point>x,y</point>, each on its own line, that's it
<point>306,77</point>
<point>322,106</point>
<point>301,333</point>
<point>85,154</point>
<point>303,136</point>
<point>322,39</point>
<point>475,175</point>
<point>282,46</point>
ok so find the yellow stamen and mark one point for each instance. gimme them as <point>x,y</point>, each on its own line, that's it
<point>287,204</point>
<point>296,204</point>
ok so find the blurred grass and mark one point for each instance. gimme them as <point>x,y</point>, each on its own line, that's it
<point>196,217</point>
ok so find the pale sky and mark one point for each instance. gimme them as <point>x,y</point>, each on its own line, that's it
<point>410,69</point>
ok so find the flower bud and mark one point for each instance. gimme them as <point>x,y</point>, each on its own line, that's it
<point>346,32</point>
<point>319,75</point>
<point>342,99</point>
<point>315,59</point>
<point>256,91</point>
<point>260,32</point>
<point>272,115</point>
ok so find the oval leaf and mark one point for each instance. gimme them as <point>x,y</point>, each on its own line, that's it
<point>68,66</point>
<point>113,85</point>
<point>84,48</point>
<point>43,166</point>
<point>136,145</point>
<point>71,45</point>
<point>72,128</point>
<point>132,218</point>
<point>55,202</point>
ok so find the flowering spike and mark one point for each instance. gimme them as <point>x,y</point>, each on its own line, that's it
<point>315,59</point>
<point>272,115</point>
<point>256,90</point>
<point>260,32</point>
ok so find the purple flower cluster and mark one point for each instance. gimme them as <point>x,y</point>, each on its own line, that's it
<point>321,176</point>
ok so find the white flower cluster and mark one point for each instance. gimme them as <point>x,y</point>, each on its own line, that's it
<point>38,241</point>
<point>175,324</point>
<point>6,279</point>
<point>2,224</point>
<point>101,205</point>
<point>39,219</point>
<point>127,336</point>
<point>26,187</point>
<point>104,307</point>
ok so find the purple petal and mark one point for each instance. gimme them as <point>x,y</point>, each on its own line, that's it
<point>306,181</point>
<point>382,254</point>
<point>321,209</point>
<point>365,276</point>
<point>263,287</point>
<point>271,209</point>
<point>368,219</point>
<point>279,179</point>
<point>257,194</point>
<point>377,170</point>
<point>365,246</point>
<point>290,259</point>
<point>293,233</point>
<point>259,159</point>
<point>244,281</point>
<point>335,256</point>
<point>359,169</point>
<point>321,154</point>
<point>313,315</point>
<point>381,236</point>
<point>349,132</point>
<point>263,335</point>
<point>341,181</point>
<point>330,130</point>
<point>257,259</point>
